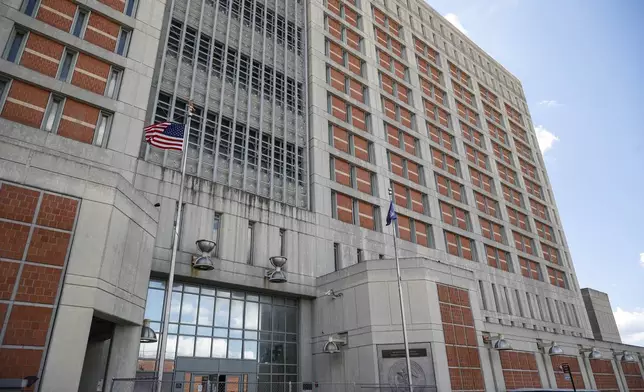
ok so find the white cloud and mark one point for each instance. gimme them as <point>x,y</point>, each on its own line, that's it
<point>453,19</point>
<point>631,325</point>
<point>550,103</point>
<point>642,259</point>
<point>545,138</point>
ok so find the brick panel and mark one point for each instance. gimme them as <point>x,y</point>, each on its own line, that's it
<point>31,95</point>
<point>38,284</point>
<point>48,247</point>
<point>42,55</point>
<point>28,325</point>
<point>3,312</point>
<point>102,32</point>
<point>118,5</point>
<point>58,13</point>
<point>78,121</point>
<point>57,212</point>
<point>604,375</point>
<point>633,377</point>
<point>8,273</point>
<point>460,339</point>
<point>13,239</point>
<point>573,362</point>
<point>90,74</point>
<point>19,363</point>
<point>519,370</point>
<point>18,203</point>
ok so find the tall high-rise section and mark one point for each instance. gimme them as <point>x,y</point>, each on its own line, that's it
<point>306,113</point>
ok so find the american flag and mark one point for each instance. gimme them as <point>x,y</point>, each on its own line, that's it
<point>166,135</point>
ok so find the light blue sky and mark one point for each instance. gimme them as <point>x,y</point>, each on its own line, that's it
<point>580,63</point>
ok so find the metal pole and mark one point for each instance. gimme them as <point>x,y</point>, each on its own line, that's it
<point>173,260</point>
<point>400,295</point>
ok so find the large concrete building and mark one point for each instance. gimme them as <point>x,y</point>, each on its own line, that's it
<point>306,113</point>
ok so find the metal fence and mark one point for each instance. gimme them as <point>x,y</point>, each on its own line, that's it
<point>150,385</point>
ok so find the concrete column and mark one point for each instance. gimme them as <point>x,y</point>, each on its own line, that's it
<point>306,332</point>
<point>67,349</point>
<point>619,375</point>
<point>546,371</point>
<point>497,370</point>
<point>124,352</point>
<point>94,365</point>
<point>588,373</point>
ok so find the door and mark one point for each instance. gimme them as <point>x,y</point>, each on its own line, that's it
<point>220,383</point>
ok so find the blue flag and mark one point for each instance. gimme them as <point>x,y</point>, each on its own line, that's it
<point>391,215</point>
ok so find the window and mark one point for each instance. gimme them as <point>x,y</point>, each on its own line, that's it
<point>518,219</point>
<point>550,253</point>
<point>100,136</point>
<point>458,245</point>
<point>436,113</point>
<point>402,140</point>
<point>492,231</point>
<point>29,6</point>
<point>539,210</point>
<point>3,87</point>
<point>507,174</point>
<point>342,110</point>
<point>78,28</point>
<point>544,231</point>
<point>360,255</point>
<point>352,176</point>
<point>336,256</point>
<point>455,216</point>
<point>124,42</point>
<point>381,256</point>
<point>405,168</point>
<point>395,88</point>
<point>445,162</point>
<point>487,205</point>
<point>53,113</point>
<point>349,210</point>
<point>481,181</point>
<point>440,137</point>
<point>409,198</point>
<point>336,53</point>
<point>130,7</point>
<point>512,196</point>
<point>341,82</point>
<point>476,157</point>
<point>283,242</point>
<point>351,144</point>
<point>398,113</point>
<point>470,134</point>
<point>216,224</point>
<point>530,269</point>
<point>523,242</point>
<point>482,292</point>
<point>14,48</point>
<point>114,83</point>
<point>66,65</point>
<point>415,231</point>
<point>250,242</point>
<point>557,278</point>
<point>450,188</point>
<point>498,258</point>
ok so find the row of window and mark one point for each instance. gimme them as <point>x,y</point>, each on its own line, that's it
<point>67,66</point>
<point>235,140</point>
<point>84,19</point>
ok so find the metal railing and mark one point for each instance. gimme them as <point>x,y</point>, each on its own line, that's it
<point>149,385</point>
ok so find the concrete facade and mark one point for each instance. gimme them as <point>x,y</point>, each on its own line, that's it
<point>601,316</point>
<point>266,186</point>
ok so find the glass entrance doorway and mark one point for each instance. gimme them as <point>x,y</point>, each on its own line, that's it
<point>220,383</point>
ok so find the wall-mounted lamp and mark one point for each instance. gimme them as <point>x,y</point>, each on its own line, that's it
<point>147,334</point>
<point>334,343</point>
<point>555,350</point>
<point>277,275</point>
<point>628,357</point>
<point>593,353</point>
<point>204,262</point>
<point>501,344</point>
<point>331,293</point>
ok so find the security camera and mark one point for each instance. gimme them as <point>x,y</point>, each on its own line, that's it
<point>333,345</point>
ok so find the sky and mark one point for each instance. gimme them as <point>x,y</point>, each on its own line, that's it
<point>578,61</point>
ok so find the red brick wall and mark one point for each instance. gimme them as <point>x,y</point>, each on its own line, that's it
<point>573,362</point>
<point>107,33</point>
<point>33,281</point>
<point>42,55</point>
<point>460,339</point>
<point>118,5</point>
<point>90,74</point>
<point>64,7</point>
<point>78,121</point>
<point>519,370</point>
<point>604,375</point>
<point>20,95</point>
<point>633,376</point>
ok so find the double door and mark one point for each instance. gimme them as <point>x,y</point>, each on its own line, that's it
<point>220,383</point>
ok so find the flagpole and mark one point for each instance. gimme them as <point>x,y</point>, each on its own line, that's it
<point>400,295</point>
<point>168,291</point>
